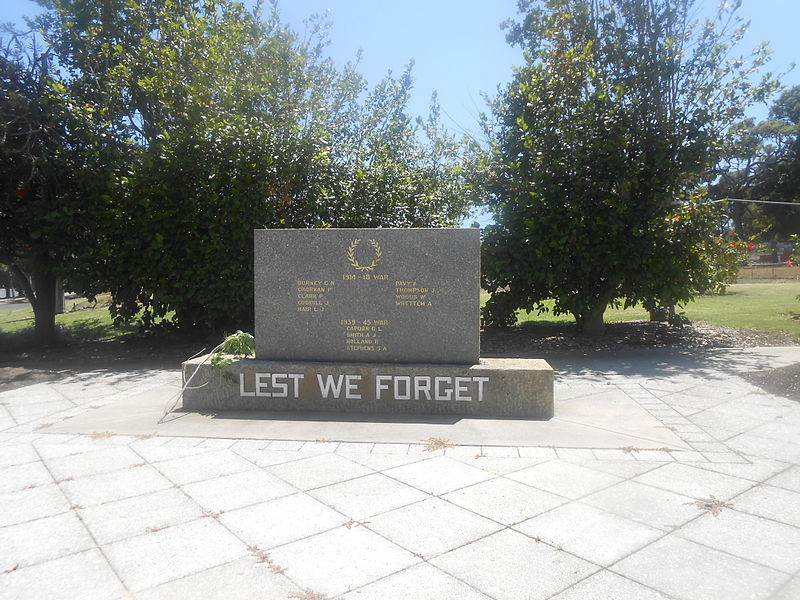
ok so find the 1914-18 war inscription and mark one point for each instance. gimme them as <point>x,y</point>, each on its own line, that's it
<point>368,295</point>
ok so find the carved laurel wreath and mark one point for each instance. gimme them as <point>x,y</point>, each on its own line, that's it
<point>351,255</point>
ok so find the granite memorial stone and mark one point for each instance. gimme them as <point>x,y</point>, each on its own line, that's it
<point>368,295</point>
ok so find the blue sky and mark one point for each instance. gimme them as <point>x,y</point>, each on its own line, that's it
<point>459,48</point>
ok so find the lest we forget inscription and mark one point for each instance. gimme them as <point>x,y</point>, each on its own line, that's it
<point>368,295</point>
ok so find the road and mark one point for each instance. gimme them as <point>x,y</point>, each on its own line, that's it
<point>12,305</point>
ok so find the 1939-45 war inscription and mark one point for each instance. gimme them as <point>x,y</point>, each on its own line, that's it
<point>368,295</point>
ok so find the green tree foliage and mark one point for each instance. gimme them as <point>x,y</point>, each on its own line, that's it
<point>618,112</point>
<point>54,175</point>
<point>762,162</point>
<point>234,123</point>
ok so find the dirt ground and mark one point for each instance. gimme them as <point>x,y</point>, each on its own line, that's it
<point>129,352</point>
<point>783,381</point>
<point>629,335</point>
<point>168,351</point>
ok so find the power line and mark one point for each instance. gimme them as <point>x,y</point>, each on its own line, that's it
<point>755,201</point>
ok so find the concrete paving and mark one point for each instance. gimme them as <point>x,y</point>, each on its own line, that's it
<point>664,475</point>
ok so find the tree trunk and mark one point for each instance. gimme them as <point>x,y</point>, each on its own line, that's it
<point>42,296</point>
<point>591,322</point>
<point>736,212</point>
<point>661,314</point>
<point>58,307</point>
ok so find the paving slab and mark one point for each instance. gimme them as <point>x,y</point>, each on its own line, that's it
<point>428,583</point>
<point>432,527</point>
<point>243,578</point>
<point>116,485</point>
<point>20,477</point>
<point>687,570</point>
<point>504,500</point>
<point>694,482</point>
<point>790,591</point>
<point>564,478</point>
<point>501,465</point>
<point>588,532</point>
<point>509,565</point>
<point>606,585</point>
<point>319,471</point>
<point>205,465</point>
<point>788,479</point>
<point>83,576</point>
<point>438,475</point>
<point>756,469</point>
<point>622,468</point>
<point>30,504</point>
<point>645,504</point>
<point>229,492</point>
<point>281,521</point>
<point>337,561</point>
<point>130,517</point>
<point>772,503</point>
<point>158,557</point>
<point>757,539</point>
<point>43,539</point>
<point>92,463</point>
<point>365,497</point>
<point>748,443</point>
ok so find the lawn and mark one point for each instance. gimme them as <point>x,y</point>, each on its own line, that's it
<point>767,307</point>
<point>81,320</point>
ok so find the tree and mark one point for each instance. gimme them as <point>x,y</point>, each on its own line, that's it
<point>236,124</point>
<point>763,163</point>
<point>596,144</point>
<point>48,201</point>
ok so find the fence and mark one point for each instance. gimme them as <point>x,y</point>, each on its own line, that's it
<point>773,271</point>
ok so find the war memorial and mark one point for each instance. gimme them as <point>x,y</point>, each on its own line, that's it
<point>371,321</point>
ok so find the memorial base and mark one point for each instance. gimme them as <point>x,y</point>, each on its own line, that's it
<point>496,387</point>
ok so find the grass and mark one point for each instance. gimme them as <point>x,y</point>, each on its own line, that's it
<point>771,308</point>
<point>81,320</point>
